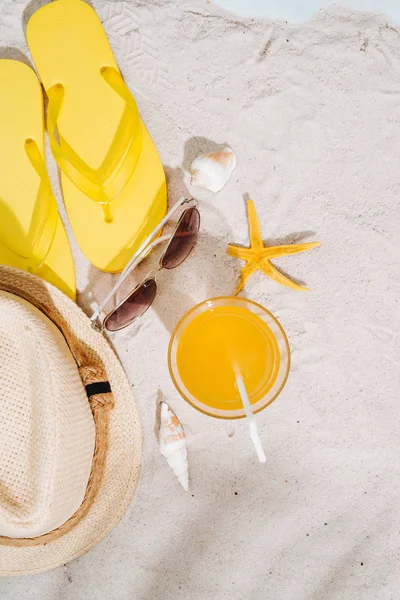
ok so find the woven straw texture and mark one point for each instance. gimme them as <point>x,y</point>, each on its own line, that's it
<point>47,433</point>
<point>125,442</point>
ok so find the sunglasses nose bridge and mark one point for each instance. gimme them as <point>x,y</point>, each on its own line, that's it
<point>161,260</point>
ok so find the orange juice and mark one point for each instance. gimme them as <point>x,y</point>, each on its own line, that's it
<point>219,339</point>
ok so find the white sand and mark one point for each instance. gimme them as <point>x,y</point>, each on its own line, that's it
<point>299,11</point>
<point>313,116</point>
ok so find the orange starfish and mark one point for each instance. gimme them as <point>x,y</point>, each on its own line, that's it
<point>258,257</point>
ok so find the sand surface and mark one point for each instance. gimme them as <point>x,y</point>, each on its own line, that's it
<point>300,11</point>
<point>312,113</point>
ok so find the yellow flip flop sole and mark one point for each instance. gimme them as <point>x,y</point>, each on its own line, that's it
<point>112,178</point>
<point>32,236</point>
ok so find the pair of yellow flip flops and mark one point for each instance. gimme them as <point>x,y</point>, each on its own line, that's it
<point>112,179</point>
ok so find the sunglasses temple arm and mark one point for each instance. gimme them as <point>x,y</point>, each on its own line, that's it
<point>136,258</point>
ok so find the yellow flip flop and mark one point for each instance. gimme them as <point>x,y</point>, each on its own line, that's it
<point>32,236</point>
<point>112,178</point>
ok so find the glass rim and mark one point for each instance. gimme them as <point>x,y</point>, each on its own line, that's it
<point>256,308</point>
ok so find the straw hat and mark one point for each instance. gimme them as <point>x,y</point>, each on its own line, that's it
<point>70,439</point>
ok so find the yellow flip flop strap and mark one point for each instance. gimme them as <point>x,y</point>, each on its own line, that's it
<point>44,219</point>
<point>105,183</point>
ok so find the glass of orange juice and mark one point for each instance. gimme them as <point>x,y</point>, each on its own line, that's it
<point>218,339</point>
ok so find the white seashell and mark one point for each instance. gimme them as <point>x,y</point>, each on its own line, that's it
<point>172,441</point>
<point>213,169</point>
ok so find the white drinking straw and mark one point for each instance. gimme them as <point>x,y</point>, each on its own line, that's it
<point>250,417</point>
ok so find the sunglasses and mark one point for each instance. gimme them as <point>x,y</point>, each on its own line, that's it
<point>180,243</point>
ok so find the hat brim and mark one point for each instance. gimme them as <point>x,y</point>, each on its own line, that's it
<point>124,452</point>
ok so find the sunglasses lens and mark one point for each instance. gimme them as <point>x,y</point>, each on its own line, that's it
<point>134,306</point>
<point>184,239</point>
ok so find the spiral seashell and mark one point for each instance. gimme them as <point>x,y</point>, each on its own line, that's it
<point>172,440</point>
